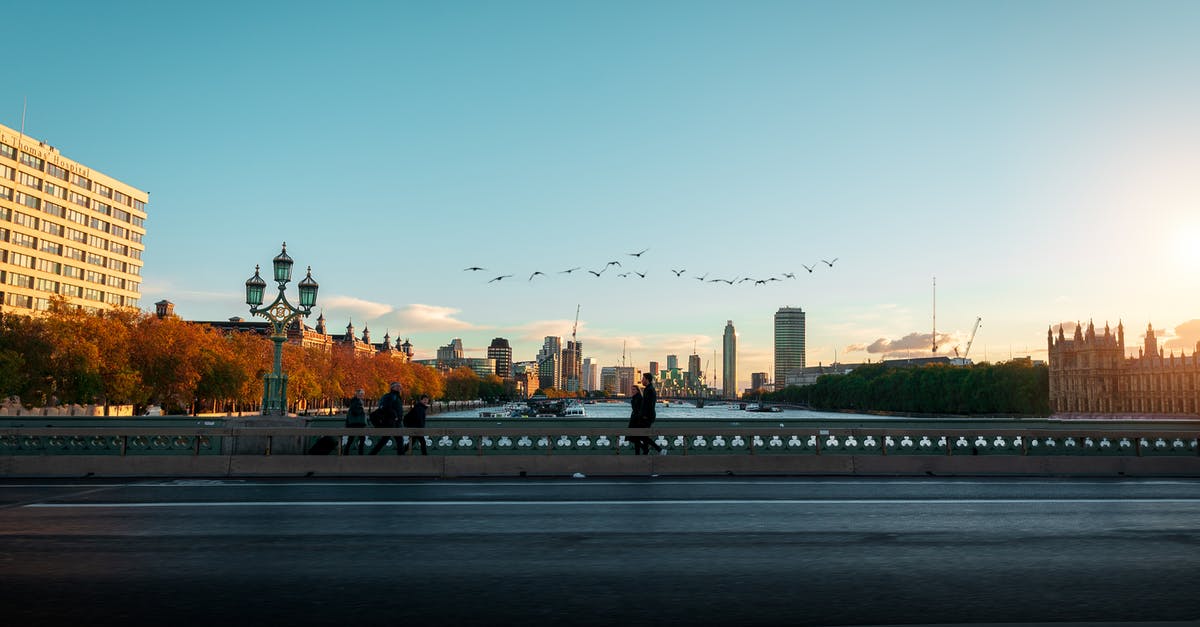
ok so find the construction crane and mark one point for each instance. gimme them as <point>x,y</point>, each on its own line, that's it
<point>935,314</point>
<point>970,341</point>
<point>575,327</point>
<point>573,380</point>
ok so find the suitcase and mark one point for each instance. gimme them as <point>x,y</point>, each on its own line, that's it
<point>323,446</point>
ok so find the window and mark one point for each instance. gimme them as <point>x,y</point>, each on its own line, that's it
<point>25,220</point>
<point>51,228</point>
<point>135,237</point>
<point>6,192</point>
<point>20,280</point>
<point>119,249</point>
<point>95,260</point>
<point>72,272</point>
<point>8,151</point>
<point>138,221</point>
<point>56,171</point>
<point>114,299</point>
<point>118,231</point>
<point>100,207</point>
<point>139,205</point>
<point>27,200</point>
<point>117,264</point>
<point>51,267</point>
<point>53,209</point>
<point>72,253</point>
<point>19,300</point>
<point>99,225</point>
<point>76,217</point>
<point>79,199</point>
<point>47,285</point>
<point>135,270</point>
<point>41,304</point>
<point>21,239</point>
<point>51,247</point>
<point>135,254</point>
<point>97,242</point>
<point>121,215</point>
<point>19,259</point>
<point>56,190</point>
<point>7,173</point>
<point>4,233</point>
<point>79,181</point>
<point>29,180</point>
<point>94,277</point>
<point>91,294</point>
<point>66,289</point>
<point>31,161</point>
<point>122,198</point>
<point>5,214</point>
<point>133,287</point>
<point>103,190</point>
<point>76,235</point>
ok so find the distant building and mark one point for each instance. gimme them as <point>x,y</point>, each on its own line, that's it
<point>789,343</point>
<point>502,353</point>
<point>694,375</point>
<point>451,355</point>
<point>672,362</point>
<point>483,367</point>
<point>759,381</point>
<point>68,231</point>
<point>549,360</point>
<point>525,376</point>
<point>572,366</point>
<point>608,380</point>
<point>654,368</point>
<point>729,362</point>
<point>1089,373</point>
<point>626,377</point>
<point>590,376</point>
<point>300,334</point>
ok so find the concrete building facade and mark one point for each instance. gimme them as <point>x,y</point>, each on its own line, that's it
<point>789,342</point>
<point>65,230</point>
<point>729,361</point>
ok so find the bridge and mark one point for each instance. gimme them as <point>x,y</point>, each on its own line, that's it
<point>557,450</point>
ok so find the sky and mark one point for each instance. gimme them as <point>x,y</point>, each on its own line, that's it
<point>1039,159</point>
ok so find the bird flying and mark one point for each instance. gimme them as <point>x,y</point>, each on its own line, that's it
<point>474,269</point>
<point>640,274</point>
<point>637,254</point>
<point>613,263</point>
<point>536,273</point>
<point>500,278</point>
<point>701,277</point>
<point>789,275</point>
<point>678,272</point>
<point>809,268</point>
<point>569,271</point>
<point>830,263</point>
<point>595,273</point>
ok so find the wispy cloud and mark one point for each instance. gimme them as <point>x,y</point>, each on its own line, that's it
<point>914,344</point>
<point>356,307</point>
<point>420,317</point>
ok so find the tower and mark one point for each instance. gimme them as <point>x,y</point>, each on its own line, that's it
<point>789,343</point>
<point>729,362</point>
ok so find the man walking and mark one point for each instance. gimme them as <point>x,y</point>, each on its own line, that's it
<point>649,402</point>
<point>393,405</point>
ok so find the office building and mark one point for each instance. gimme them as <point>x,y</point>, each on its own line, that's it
<point>589,376</point>
<point>672,362</point>
<point>549,360</point>
<point>759,381</point>
<point>572,366</point>
<point>729,362</point>
<point>451,355</point>
<point>65,230</point>
<point>654,369</point>
<point>502,353</point>
<point>789,342</point>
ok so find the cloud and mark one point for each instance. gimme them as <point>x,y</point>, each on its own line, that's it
<point>356,307</point>
<point>1183,337</point>
<point>420,317</point>
<point>914,344</point>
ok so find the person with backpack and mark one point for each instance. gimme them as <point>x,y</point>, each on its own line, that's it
<point>415,419</point>
<point>356,418</point>
<point>387,416</point>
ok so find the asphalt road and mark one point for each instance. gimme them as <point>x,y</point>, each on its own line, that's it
<point>599,552</point>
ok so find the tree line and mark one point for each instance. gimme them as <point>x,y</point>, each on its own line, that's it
<point>128,357</point>
<point>1012,388</point>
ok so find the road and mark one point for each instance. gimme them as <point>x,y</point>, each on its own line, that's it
<point>597,552</point>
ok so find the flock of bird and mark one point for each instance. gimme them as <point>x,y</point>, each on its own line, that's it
<point>737,280</point>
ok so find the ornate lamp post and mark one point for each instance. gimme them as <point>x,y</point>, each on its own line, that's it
<point>281,313</point>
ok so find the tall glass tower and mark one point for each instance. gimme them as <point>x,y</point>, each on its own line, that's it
<point>729,362</point>
<point>789,343</point>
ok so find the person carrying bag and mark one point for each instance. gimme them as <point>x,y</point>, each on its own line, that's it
<point>386,416</point>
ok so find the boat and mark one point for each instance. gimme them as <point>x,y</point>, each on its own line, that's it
<point>574,410</point>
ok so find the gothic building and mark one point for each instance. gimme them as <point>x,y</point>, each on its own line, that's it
<point>1089,373</point>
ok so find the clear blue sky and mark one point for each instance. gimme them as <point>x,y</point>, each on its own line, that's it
<point>1039,158</point>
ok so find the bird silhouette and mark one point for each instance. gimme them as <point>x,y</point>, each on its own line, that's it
<point>715,280</point>
<point>789,275</point>
<point>637,254</point>
<point>624,274</point>
<point>612,263</point>
<point>536,273</point>
<point>500,278</point>
<point>593,272</point>
<point>744,279</point>
<point>701,277</point>
<point>729,281</point>
<point>569,271</point>
<point>774,278</point>
<point>473,268</point>
<point>830,263</point>
<point>640,274</point>
<point>809,268</point>
<point>678,272</point>
<point>760,282</point>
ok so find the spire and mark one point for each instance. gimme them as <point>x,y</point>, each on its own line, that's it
<point>1078,331</point>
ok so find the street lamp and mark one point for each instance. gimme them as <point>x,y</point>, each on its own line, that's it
<point>281,313</point>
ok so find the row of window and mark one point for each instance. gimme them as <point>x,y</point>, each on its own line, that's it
<point>70,252</point>
<point>68,289</point>
<point>71,215</point>
<point>77,180</point>
<point>61,193</point>
<point>42,304</point>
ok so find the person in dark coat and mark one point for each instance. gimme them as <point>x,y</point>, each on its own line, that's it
<point>636,422</point>
<point>649,403</point>
<point>415,419</point>
<point>394,402</point>
<point>356,418</point>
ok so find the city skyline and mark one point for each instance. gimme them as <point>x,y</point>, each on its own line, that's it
<point>1037,159</point>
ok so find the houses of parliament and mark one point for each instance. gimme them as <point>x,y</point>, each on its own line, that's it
<point>1089,373</point>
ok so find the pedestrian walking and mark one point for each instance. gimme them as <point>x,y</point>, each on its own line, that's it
<point>391,405</point>
<point>356,418</point>
<point>415,419</point>
<point>649,402</point>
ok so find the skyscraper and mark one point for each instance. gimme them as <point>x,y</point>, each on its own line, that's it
<point>672,362</point>
<point>68,231</point>
<point>729,362</point>
<point>789,343</point>
<point>572,366</point>
<point>502,353</point>
<point>550,363</point>
<point>694,375</point>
